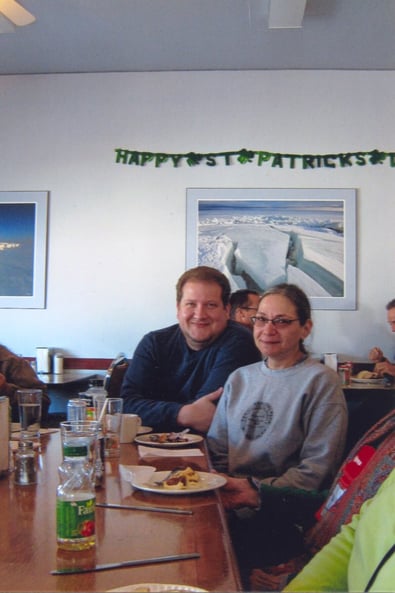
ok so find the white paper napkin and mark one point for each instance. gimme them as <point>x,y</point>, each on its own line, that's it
<point>164,452</point>
<point>16,435</point>
<point>141,472</point>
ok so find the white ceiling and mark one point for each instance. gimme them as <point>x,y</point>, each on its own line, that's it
<point>160,35</point>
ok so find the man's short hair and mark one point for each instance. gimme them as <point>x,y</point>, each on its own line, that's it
<point>204,274</point>
<point>390,305</point>
<point>239,299</point>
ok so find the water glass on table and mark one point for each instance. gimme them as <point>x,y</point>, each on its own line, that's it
<point>111,424</point>
<point>29,403</point>
<point>80,433</point>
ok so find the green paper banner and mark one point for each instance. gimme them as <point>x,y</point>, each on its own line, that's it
<point>259,158</point>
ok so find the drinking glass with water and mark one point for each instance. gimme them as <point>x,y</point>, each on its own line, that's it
<point>29,402</point>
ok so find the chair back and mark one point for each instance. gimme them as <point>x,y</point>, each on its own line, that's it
<point>382,437</point>
<point>114,376</point>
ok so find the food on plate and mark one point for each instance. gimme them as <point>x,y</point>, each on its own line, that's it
<point>168,437</point>
<point>367,375</point>
<point>181,479</point>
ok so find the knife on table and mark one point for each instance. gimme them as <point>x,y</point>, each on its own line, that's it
<point>111,565</point>
<point>110,505</point>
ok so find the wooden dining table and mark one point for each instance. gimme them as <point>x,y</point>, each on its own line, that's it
<point>29,552</point>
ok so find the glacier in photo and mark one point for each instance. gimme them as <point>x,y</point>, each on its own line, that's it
<point>259,243</point>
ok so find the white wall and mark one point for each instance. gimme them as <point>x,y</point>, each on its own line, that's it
<point>116,239</point>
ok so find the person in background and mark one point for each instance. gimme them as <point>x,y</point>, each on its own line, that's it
<point>280,423</point>
<point>177,374</point>
<point>243,305</point>
<point>383,366</point>
<point>16,373</point>
<point>361,557</point>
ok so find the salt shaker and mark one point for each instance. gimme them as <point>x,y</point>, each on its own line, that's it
<point>25,464</point>
<point>58,363</point>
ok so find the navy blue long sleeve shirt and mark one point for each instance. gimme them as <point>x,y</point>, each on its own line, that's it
<point>165,374</point>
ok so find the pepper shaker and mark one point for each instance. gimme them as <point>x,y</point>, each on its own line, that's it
<point>25,464</point>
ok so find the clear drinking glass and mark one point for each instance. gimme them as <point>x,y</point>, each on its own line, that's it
<point>29,402</point>
<point>80,433</point>
<point>111,416</point>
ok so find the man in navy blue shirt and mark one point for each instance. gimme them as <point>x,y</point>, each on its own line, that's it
<point>177,373</point>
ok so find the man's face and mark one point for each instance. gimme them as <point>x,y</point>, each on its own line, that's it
<point>391,318</point>
<point>243,314</point>
<point>201,313</point>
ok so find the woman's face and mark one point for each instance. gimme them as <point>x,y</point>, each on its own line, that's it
<point>280,343</point>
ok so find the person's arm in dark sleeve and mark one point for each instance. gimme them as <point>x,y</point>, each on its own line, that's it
<point>141,387</point>
<point>139,390</point>
<point>18,374</point>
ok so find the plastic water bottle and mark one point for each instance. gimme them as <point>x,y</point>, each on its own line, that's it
<point>75,499</point>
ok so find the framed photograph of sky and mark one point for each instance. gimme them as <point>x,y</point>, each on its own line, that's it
<point>23,248</point>
<point>261,237</point>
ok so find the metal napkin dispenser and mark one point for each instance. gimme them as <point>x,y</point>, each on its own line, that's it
<point>43,360</point>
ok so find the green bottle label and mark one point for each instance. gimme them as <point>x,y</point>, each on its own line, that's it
<point>75,451</point>
<point>75,519</point>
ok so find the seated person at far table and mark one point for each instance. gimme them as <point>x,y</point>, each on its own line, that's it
<point>16,373</point>
<point>383,366</point>
<point>177,374</point>
<point>280,423</point>
<point>361,557</point>
<point>243,305</point>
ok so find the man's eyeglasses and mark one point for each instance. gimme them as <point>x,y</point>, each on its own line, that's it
<point>278,322</point>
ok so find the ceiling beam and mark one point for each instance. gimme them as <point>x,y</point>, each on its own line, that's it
<point>286,14</point>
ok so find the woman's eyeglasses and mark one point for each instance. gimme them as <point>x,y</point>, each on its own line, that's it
<point>278,322</point>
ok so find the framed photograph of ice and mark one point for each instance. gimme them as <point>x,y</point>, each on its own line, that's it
<point>23,248</point>
<point>260,237</point>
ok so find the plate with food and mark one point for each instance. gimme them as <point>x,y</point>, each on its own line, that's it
<point>367,377</point>
<point>179,481</point>
<point>157,588</point>
<point>168,439</point>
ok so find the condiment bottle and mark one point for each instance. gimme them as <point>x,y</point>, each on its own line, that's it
<point>5,420</point>
<point>75,499</point>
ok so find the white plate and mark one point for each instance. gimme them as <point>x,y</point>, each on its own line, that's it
<point>207,482</point>
<point>366,381</point>
<point>157,588</point>
<point>145,440</point>
<point>144,429</point>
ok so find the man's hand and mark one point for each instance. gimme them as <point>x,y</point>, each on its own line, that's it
<point>199,414</point>
<point>376,354</point>
<point>238,493</point>
<point>385,368</point>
